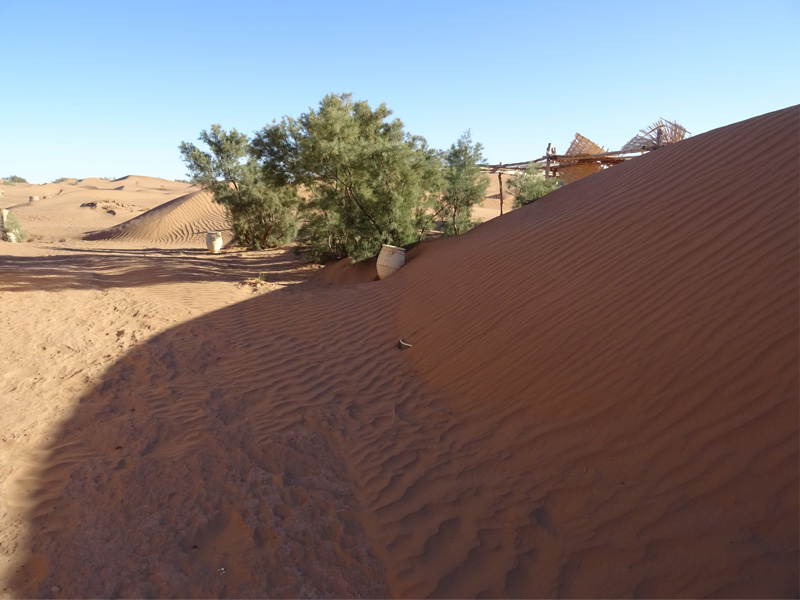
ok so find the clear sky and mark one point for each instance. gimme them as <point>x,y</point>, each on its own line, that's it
<point>110,88</point>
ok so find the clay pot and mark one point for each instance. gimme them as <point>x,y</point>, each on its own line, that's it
<point>390,259</point>
<point>214,241</point>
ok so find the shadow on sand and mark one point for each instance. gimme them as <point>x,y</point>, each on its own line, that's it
<point>211,461</point>
<point>126,268</point>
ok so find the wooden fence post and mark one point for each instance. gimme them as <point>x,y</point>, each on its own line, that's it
<point>500,179</point>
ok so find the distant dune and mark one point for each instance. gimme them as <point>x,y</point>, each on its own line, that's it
<point>600,400</point>
<point>64,212</point>
<point>180,221</point>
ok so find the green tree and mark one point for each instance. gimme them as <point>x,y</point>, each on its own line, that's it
<point>465,184</point>
<point>369,182</point>
<point>16,179</point>
<point>262,214</point>
<point>531,185</point>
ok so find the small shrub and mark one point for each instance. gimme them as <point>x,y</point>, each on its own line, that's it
<point>531,185</point>
<point>13,229</point>
<point>16,179</point>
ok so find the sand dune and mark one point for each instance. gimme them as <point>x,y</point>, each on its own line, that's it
<point>627,350</point>
<point>184,220</point>
<point>144,181</point>
<point>601,400</point>
<point>129,181</point>
<point>67,210</point>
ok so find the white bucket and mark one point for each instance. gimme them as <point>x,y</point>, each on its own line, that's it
<point>214,241</point>
<point>390,259</point>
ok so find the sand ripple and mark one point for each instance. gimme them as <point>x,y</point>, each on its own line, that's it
<point>183,221</point>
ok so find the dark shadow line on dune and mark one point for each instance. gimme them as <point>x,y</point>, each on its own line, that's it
<point>106,268</point>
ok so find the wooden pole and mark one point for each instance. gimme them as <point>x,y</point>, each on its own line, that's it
<point>547,167</point>
<point>500,179</point>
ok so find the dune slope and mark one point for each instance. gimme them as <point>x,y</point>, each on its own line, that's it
<point>181,221</point>
<point>625,353</point>
<point>601,400</point>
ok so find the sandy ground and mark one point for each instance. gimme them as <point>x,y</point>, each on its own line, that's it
<point>601,398</point>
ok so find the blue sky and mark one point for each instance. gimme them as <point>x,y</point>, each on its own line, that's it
<point>111,88</point>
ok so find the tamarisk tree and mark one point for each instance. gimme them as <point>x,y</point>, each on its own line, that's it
<point>465,185</point>
<point>262,214</point>
<point>369,182</point>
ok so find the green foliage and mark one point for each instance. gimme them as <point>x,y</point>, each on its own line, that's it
<point>60,180</point>
<point>266,217</point>
<point>262,214</point>
<point>16,179</point>
<point>370,182</point>
<point>531,185</point>
<point>465,185</point>
<point>12,229</point>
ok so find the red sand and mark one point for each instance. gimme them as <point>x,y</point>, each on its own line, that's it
<point>601,400</point>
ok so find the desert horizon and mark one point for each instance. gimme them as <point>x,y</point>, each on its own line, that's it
<point>599,395</point>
